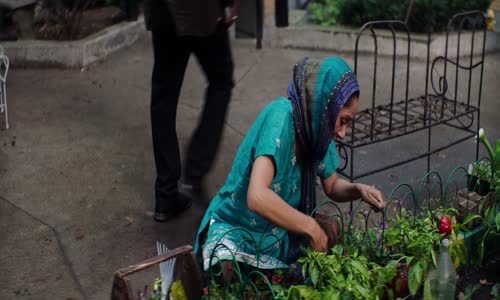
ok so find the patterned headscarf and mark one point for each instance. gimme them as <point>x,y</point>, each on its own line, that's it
<point>318,90</point>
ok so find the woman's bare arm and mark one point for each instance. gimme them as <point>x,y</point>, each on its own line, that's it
<point>341,190</point>
<point>265,202</point>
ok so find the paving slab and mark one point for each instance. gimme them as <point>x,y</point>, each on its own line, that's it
<point>34,262</point>
<point>78,158</point>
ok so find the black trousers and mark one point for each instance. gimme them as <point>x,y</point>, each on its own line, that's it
<point>171,54</point>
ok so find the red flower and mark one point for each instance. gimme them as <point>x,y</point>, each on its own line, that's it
<point>276,279</point>
<point>445,226</point>
<point>205,291</point>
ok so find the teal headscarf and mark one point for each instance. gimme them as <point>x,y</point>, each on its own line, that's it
<point>318,89</point>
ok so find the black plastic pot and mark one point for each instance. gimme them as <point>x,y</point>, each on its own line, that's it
<point>472,185</point>
<point>482,187</point>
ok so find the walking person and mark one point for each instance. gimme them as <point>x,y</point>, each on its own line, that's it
<point>179,28</point>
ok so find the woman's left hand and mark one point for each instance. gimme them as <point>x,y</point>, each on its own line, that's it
<point>372,196</point>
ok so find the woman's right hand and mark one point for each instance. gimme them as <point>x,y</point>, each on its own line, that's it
<point>318,238</point>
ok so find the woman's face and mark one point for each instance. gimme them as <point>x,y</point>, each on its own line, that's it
<point>346,115</point>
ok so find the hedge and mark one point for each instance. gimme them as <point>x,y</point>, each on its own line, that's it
<point>426,15</point>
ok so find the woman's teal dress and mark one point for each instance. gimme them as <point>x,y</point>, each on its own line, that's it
<point>235,232</point>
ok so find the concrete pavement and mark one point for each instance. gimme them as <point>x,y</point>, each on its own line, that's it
<point>77,171</point>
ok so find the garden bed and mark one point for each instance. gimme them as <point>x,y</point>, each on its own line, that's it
<point>483,278</point>
<point>70,37</point>
<point>74,54</point>
<point>92,21</point>
<point>378,256</point>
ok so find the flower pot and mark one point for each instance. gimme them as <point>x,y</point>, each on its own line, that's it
<point>484,187</point>
<point>480,186</point>
<point>472,183</point>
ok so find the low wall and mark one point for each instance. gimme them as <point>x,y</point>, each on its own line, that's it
<point>74,54</point>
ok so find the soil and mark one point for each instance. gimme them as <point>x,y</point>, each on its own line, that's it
<point>93,20</point>
<point>486,277</point>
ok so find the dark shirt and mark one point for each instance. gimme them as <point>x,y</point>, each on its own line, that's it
<point>190,17</point>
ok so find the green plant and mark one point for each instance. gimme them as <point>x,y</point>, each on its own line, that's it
<point>417,237</point>
<point>491,223</point>
<point>495,291</point>
<point>470,290</point>
<point>426,15</point>
<point>495,161</point>
<point>457,249</point>
<point>324,12</point>
<point>343,276</point>
<point>368,242</point>
<point>482,170</point>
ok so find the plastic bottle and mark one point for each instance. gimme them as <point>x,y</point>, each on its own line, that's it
<point>443,280</point>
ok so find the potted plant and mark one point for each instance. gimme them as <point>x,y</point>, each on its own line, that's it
<point>480,178</point>
<point>495,161</point>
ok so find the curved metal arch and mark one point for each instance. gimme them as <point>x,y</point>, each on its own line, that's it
<point>396,189</point>
<point>352,217</point>
<point>450,181</point>
<point>339,215</point>
<point>213,273</point>
<point>423,185</point>
<point>266,281</point>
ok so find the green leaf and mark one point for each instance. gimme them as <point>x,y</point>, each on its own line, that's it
<point>433,256</point>
<point>390,294</point>
<point>491,218</point>
<point>470,218</point>
<point>335,295</point>
<point>298,292</point>
<point>427,290</point>
<point>314,276</point>
<point>346,295</point>
<point>495,291</point>
<point>460,252</point>
<point>497,221</point>
<point>362,290</point>
<point>415,278</point>
<point>360,267</point>
<point>470,290</point>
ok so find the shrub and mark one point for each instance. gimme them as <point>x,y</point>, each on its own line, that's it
<point>324,12</point>
<point>426,15</point>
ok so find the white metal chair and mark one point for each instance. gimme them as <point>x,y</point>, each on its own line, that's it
<point>4,69</point>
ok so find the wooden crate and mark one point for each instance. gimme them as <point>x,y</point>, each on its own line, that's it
<point>186,270</point>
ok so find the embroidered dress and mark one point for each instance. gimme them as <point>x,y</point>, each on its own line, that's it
<point>317,92</point>
<point>234,229</point>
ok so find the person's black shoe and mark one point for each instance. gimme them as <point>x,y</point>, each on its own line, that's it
<point>166,215</point>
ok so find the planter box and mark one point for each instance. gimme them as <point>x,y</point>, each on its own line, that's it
<point>471,239</point>
<point>74,54</point>
<point>186,270</point>
<point>468,203</point>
